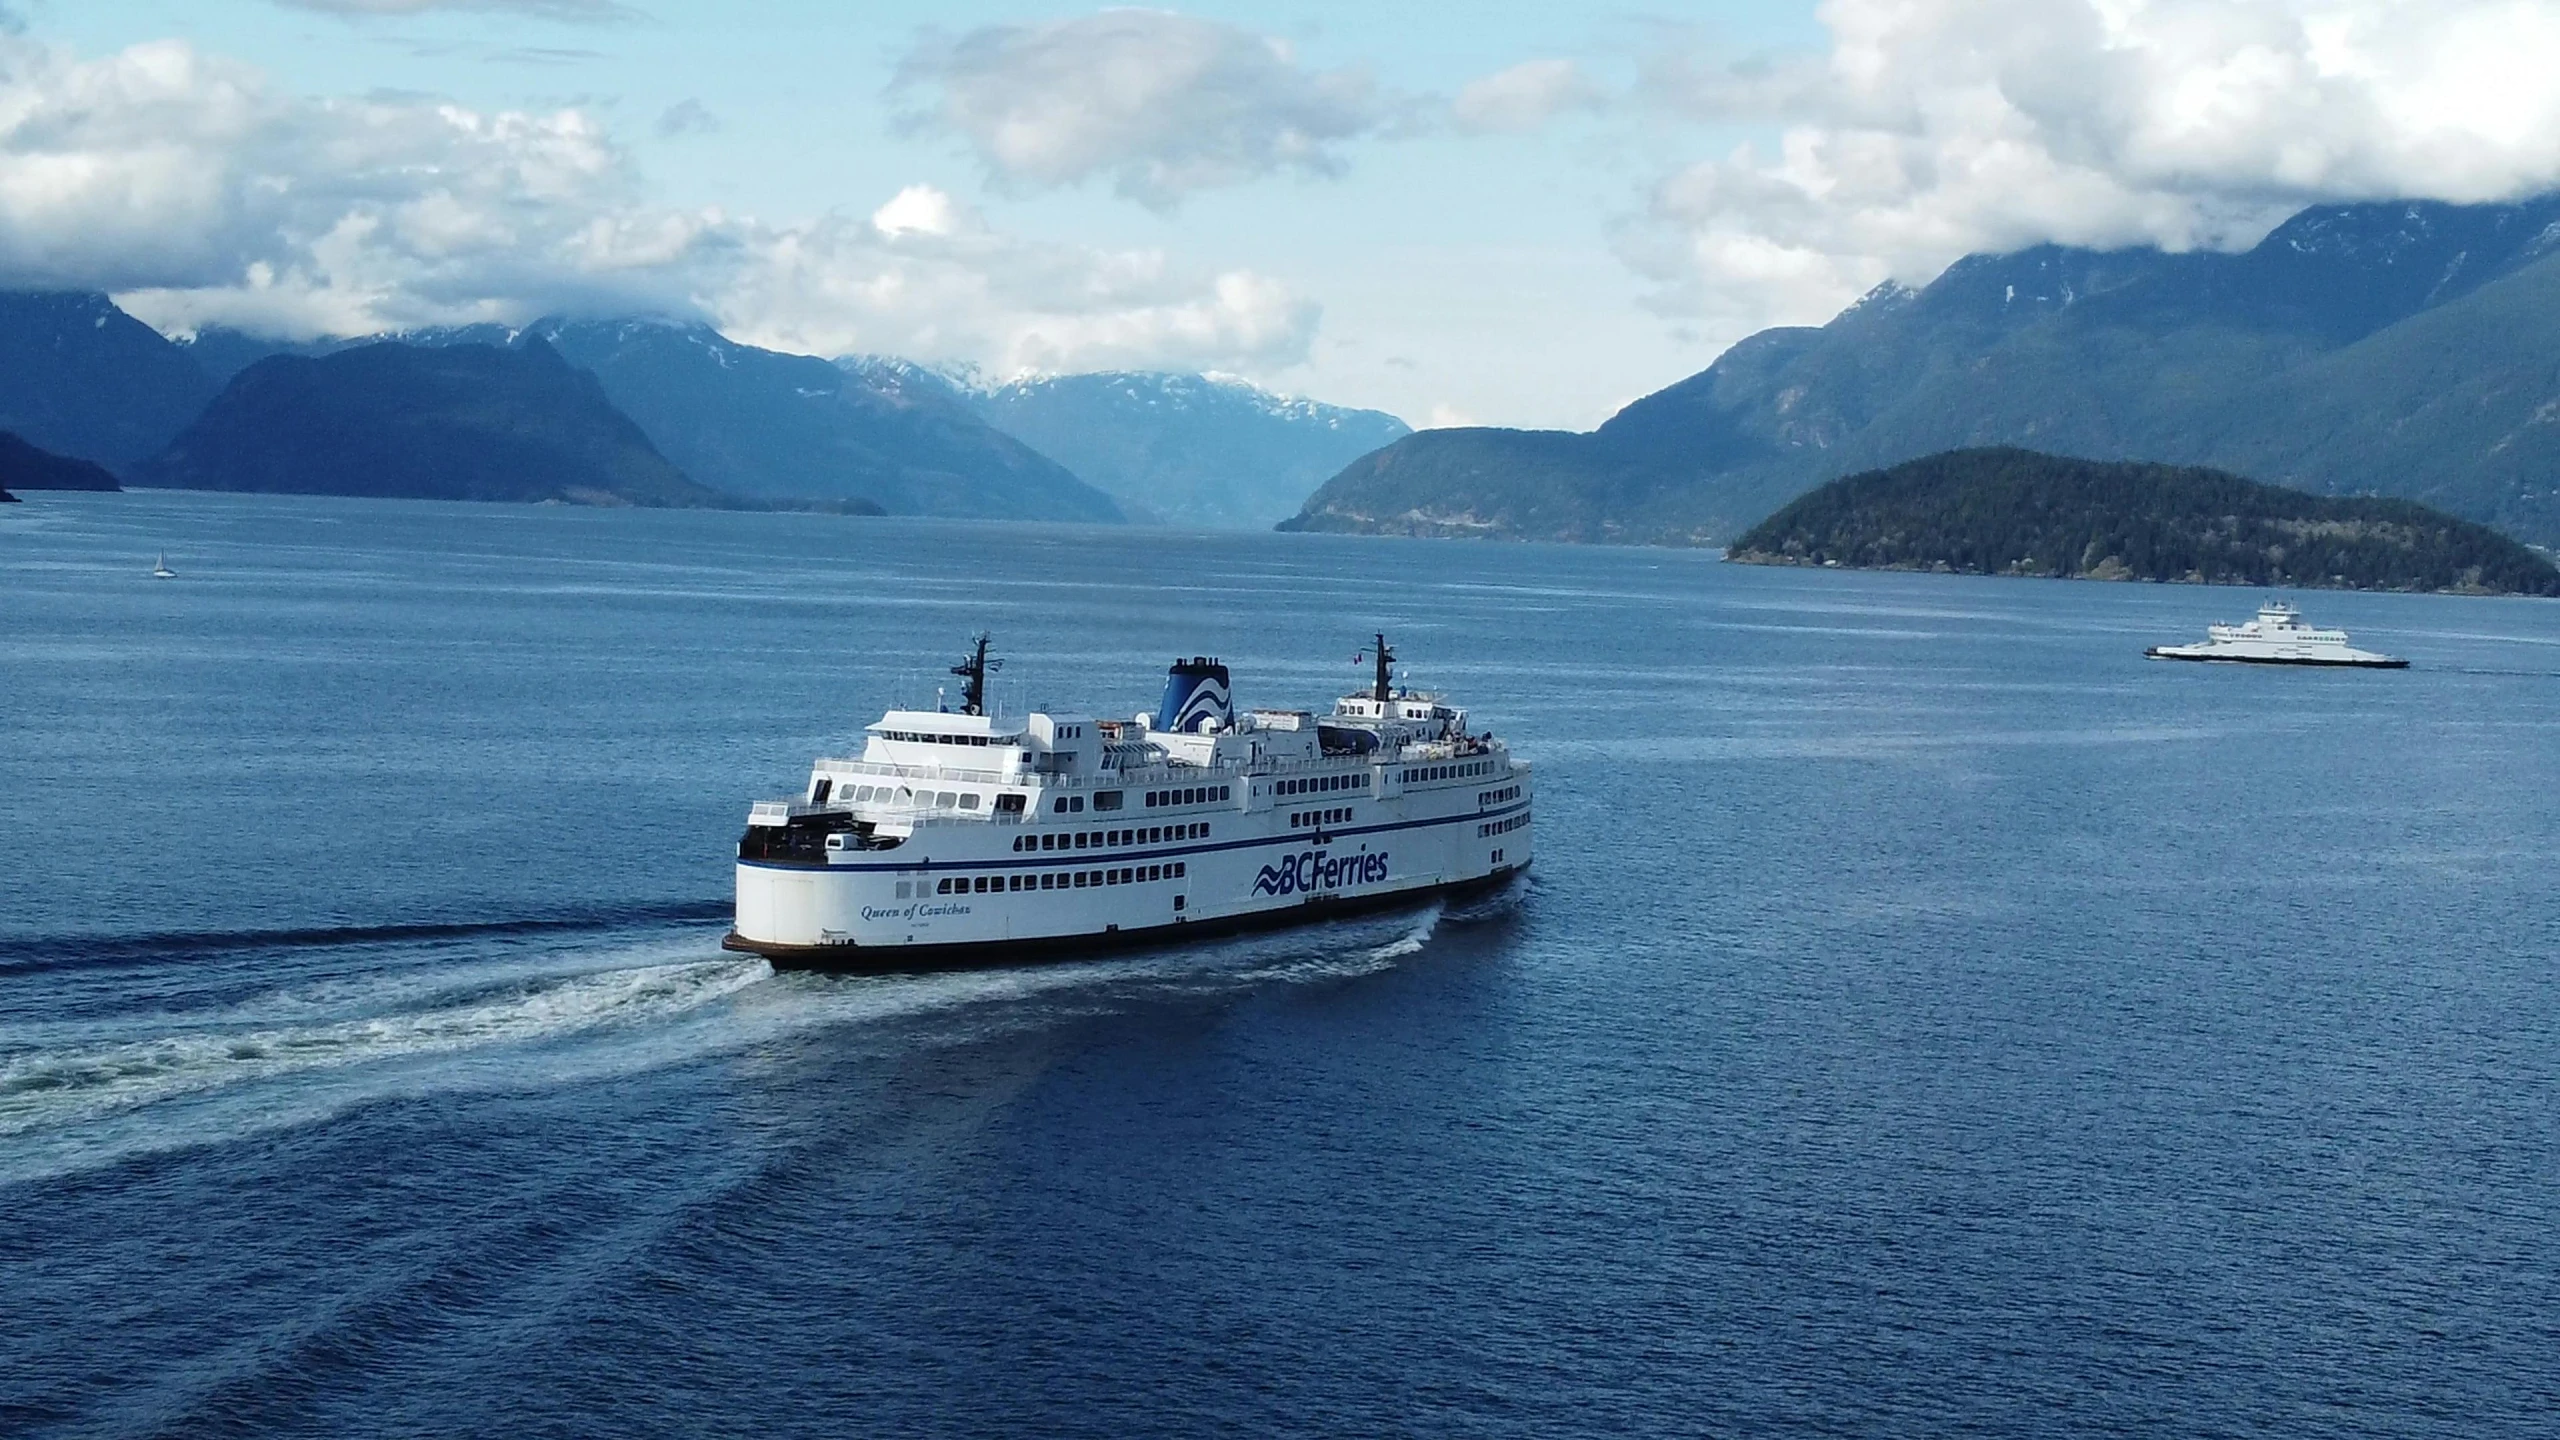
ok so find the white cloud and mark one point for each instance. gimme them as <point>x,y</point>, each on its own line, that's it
<point>1525,96</point>
<point>191,188</point>
<point>1163,104</point>
<point>1936,127</point>
<point>918,210</point>
<point>160,166</point>
<point>926,277</point>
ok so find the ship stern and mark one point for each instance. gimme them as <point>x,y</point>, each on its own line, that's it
<point>782,909</point>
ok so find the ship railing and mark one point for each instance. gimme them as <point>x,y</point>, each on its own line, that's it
<point>927,814</point>
<point>884,771</point>
<point>1165,775</point>
<point>1422,752</point>
<point>783,812</point>
<point>1330,765</point>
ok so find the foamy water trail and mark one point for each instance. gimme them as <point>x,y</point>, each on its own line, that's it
<point>1412,940</point>
<point>78,1094</point>
<point>67,1084</point>
<point>1360,951</point>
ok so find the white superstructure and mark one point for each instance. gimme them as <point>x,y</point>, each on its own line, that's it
<point>969,837</point>
<point>2276,637</point>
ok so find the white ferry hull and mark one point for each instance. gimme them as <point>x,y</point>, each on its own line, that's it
<point>887,912</point>
<point>880,959</point>
<point>2234,655</point>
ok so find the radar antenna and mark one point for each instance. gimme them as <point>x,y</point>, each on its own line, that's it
<point>975,669</point>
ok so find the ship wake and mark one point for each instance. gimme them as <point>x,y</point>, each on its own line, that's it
<point>83,1089</point>
<point>84,1078</point>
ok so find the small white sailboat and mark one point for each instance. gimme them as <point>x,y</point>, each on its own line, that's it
<point>160,569</point>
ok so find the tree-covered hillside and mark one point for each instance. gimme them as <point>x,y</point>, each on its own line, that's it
<point>31,467</point>
<point>465,422</point>
<point>2007,511</point>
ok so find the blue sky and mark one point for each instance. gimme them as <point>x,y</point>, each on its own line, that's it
<point>1328,208</point>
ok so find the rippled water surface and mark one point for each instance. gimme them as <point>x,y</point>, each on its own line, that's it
<point>1925,1016</point>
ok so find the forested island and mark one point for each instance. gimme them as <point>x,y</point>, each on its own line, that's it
<point>2006,511</point>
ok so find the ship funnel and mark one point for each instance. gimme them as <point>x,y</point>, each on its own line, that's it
<point>1195,692</point>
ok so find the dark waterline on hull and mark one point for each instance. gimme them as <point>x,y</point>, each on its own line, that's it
<point>2394,664</point>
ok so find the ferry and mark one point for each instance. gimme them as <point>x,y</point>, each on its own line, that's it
<point>2277,637</point>
<point>966,837</point>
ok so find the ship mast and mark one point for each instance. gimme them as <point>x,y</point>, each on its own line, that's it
<point>973,696</point>
<point>1386,657</point>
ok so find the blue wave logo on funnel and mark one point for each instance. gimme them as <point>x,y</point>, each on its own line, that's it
<point>1195,693</point>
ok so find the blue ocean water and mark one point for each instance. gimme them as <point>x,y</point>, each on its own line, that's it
<point>1925,1016</point>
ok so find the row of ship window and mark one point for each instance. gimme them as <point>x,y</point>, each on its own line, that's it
<point>1419,773</point>
<point>1110,799</point>
<point>1502,827</point>
<point>1319,817</point>
<point>1496,797</point>
<point>937,799</point>
<point>1051,880</point>
<point>1411,775</point>
<point>1192,795</point>
<point>1107,839</point>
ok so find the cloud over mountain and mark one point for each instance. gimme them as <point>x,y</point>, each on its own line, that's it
<point>1932,128</point>
<point>927,277</point>
<point>198,192</point>
<point>1162,104</point>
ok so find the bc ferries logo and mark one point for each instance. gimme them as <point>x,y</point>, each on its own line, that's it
<point>1311,870</point>
<point>1207,701</point>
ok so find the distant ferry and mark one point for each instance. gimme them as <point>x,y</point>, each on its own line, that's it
<point>969,838</point>
<point>2276,637</point>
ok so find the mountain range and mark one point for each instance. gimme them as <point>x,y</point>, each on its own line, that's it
<point>770,427</point>
<point>757,426</point>
<point>1193,450</point>
<point>80,377</point>
<point>455,422</point>
<point>2391,349</point>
